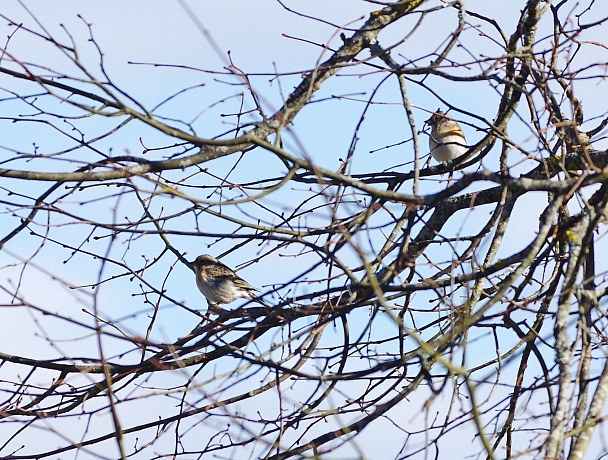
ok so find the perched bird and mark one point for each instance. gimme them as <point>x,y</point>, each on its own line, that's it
<point>220,284</point>
<point>447,140</point>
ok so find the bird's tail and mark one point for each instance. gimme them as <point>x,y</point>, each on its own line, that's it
<point>260,301</point>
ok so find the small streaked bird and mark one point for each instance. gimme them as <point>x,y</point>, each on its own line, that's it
<point>220,284</point>
<point>447,140</point>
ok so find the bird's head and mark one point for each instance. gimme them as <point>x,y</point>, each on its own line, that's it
<point>438,117</point>
<point>204,261</point>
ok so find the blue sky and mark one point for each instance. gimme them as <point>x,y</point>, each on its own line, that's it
<point>133,36</point>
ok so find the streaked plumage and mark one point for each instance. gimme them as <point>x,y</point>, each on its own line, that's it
<point>447,140</point>
<point>220,284</point>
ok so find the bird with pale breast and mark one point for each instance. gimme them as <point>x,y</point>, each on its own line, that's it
<point>220,284</point>
<point>447,140</point>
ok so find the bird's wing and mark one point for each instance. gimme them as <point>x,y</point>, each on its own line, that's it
<point>240,282</point>
<point>225,273</point>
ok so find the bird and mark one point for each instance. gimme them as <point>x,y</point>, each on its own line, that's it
<point>447,140</point>
<point>220,284</point>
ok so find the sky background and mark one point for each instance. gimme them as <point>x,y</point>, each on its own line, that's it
<point>261,39</point>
